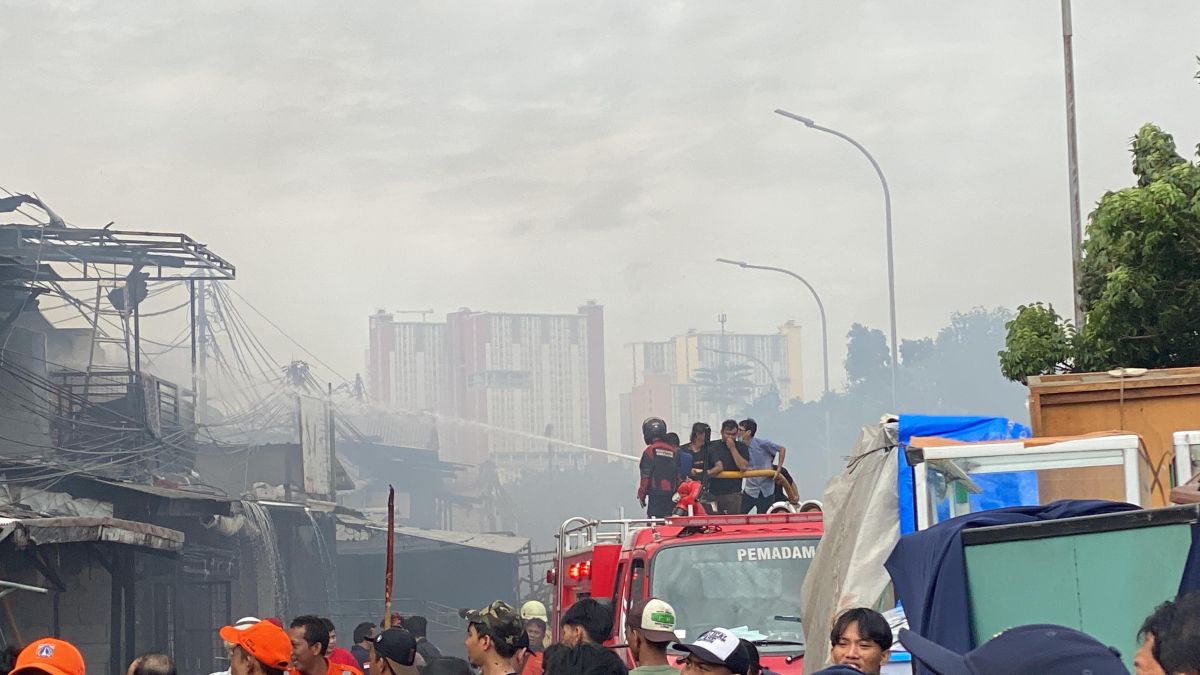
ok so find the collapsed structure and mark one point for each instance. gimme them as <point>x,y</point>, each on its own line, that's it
<point>139,513</point>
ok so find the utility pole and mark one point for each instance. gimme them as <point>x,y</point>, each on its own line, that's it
<point>201,352</point>
<point>1072,164</point>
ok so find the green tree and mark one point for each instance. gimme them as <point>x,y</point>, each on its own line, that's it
<point>867,356</point>
<point>1140,277</point>
<point>728,385</point>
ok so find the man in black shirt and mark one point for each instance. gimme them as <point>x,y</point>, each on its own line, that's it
<point>726,454</point>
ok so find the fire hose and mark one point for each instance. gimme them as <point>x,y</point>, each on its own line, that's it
<point>789,489</point>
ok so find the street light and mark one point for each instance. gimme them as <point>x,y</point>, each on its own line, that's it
<point>820,307</point>
<point>824,339</point>
<point>887,213</point>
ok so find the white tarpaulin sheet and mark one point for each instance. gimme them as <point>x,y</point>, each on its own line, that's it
<point>862,526</point>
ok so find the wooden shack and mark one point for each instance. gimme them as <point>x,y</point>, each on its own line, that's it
<point>1151,403</point>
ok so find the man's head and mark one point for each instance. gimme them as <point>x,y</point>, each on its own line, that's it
<point>716,652</point>
<point>393,652</point>
<point>587,620</point>
<point>653,429</point>
<point>152,664</point>
<point>417,625</point>
<point>257,649</point>
<point>729,430</point>
<point>51,657</point>
<point>535,630</point>
<point>364,633</point>
<point>755,663</point>
<point>332,633</point>
<point>701,433</point>
<point>1041,648</point>
<point>747,428</point>
<point>1146,659</point>
<point>861,637</point>
<point>310,641</point>
<point>672,439</point>
<point>649,628</point>
<point>494,633</point>
<point>1177,645</point>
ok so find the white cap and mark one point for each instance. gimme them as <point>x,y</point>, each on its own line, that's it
<point>654,618</point>
<point>245,622</point>
<point>719,646</point>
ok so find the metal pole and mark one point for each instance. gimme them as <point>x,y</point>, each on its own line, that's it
<point>824,342</point>
<point>201,354</point>
<point>192,327</point>
<point>887,216</point>
<point>1072,164</point>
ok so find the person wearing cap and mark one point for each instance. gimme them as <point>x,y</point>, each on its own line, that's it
<point>716,652</point>
<point>649,630</point>
<point>394,652</point>
<point>49,656</point>
<point>241,624</point>
<point>1044,649</point>
<point>258,648</point>
<point>537,621</point>
<point>310,642</point>
<point>494,636</point>
<point>861,638</point>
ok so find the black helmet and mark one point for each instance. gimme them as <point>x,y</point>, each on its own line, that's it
<point>654,429</point>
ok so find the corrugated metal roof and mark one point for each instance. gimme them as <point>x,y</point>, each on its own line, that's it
<point>53,530</point>
<point>405,430</point>
<point>498,543</point>
<point>166,493</point>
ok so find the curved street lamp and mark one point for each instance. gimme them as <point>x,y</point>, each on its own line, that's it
<point>887,214</point>
<point>824,341</point>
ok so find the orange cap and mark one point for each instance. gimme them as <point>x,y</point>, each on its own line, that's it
<point>265,641</point>
<point>48,655</point>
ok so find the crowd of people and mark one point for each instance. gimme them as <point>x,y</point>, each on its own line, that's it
<point>500,640</point>
<point>668,467</point>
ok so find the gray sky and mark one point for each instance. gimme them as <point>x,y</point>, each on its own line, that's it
<point>528,155</point>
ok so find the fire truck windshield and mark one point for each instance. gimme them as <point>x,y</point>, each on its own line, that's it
<point>751,585</point>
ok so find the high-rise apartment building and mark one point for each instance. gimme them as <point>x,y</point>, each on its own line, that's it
<point>406,363</point>
<point>670,378</point>
<point>500,381</point>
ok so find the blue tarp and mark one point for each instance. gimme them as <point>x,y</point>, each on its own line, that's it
<point>999,490</point>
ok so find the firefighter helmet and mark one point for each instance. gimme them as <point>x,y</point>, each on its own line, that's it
<point>654,429</point>
<point>533,609</point>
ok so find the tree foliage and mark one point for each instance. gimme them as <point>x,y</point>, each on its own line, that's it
<point>728,385</point>
<point>1140,277</point>
<point>948,374</point>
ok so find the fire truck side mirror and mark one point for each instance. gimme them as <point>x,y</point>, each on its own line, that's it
<point>551,576</point>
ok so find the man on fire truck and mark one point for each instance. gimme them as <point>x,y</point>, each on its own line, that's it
<point>659,469</point>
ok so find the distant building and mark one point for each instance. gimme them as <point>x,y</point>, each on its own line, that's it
<point>500,381</point>
<point>667,376</point>
<point>407,363</point>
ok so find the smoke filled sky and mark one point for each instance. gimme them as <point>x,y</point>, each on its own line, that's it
<point>528,155</point>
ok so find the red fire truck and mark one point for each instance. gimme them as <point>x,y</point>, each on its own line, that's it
<point>739,572</point>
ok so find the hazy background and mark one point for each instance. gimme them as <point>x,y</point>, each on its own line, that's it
<point>526,156</point>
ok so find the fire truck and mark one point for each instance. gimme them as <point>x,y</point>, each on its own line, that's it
<point>740,572</point>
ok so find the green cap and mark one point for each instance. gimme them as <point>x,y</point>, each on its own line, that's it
<point>501,621</point>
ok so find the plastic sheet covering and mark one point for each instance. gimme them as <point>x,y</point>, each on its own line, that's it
<point>862,527</point>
